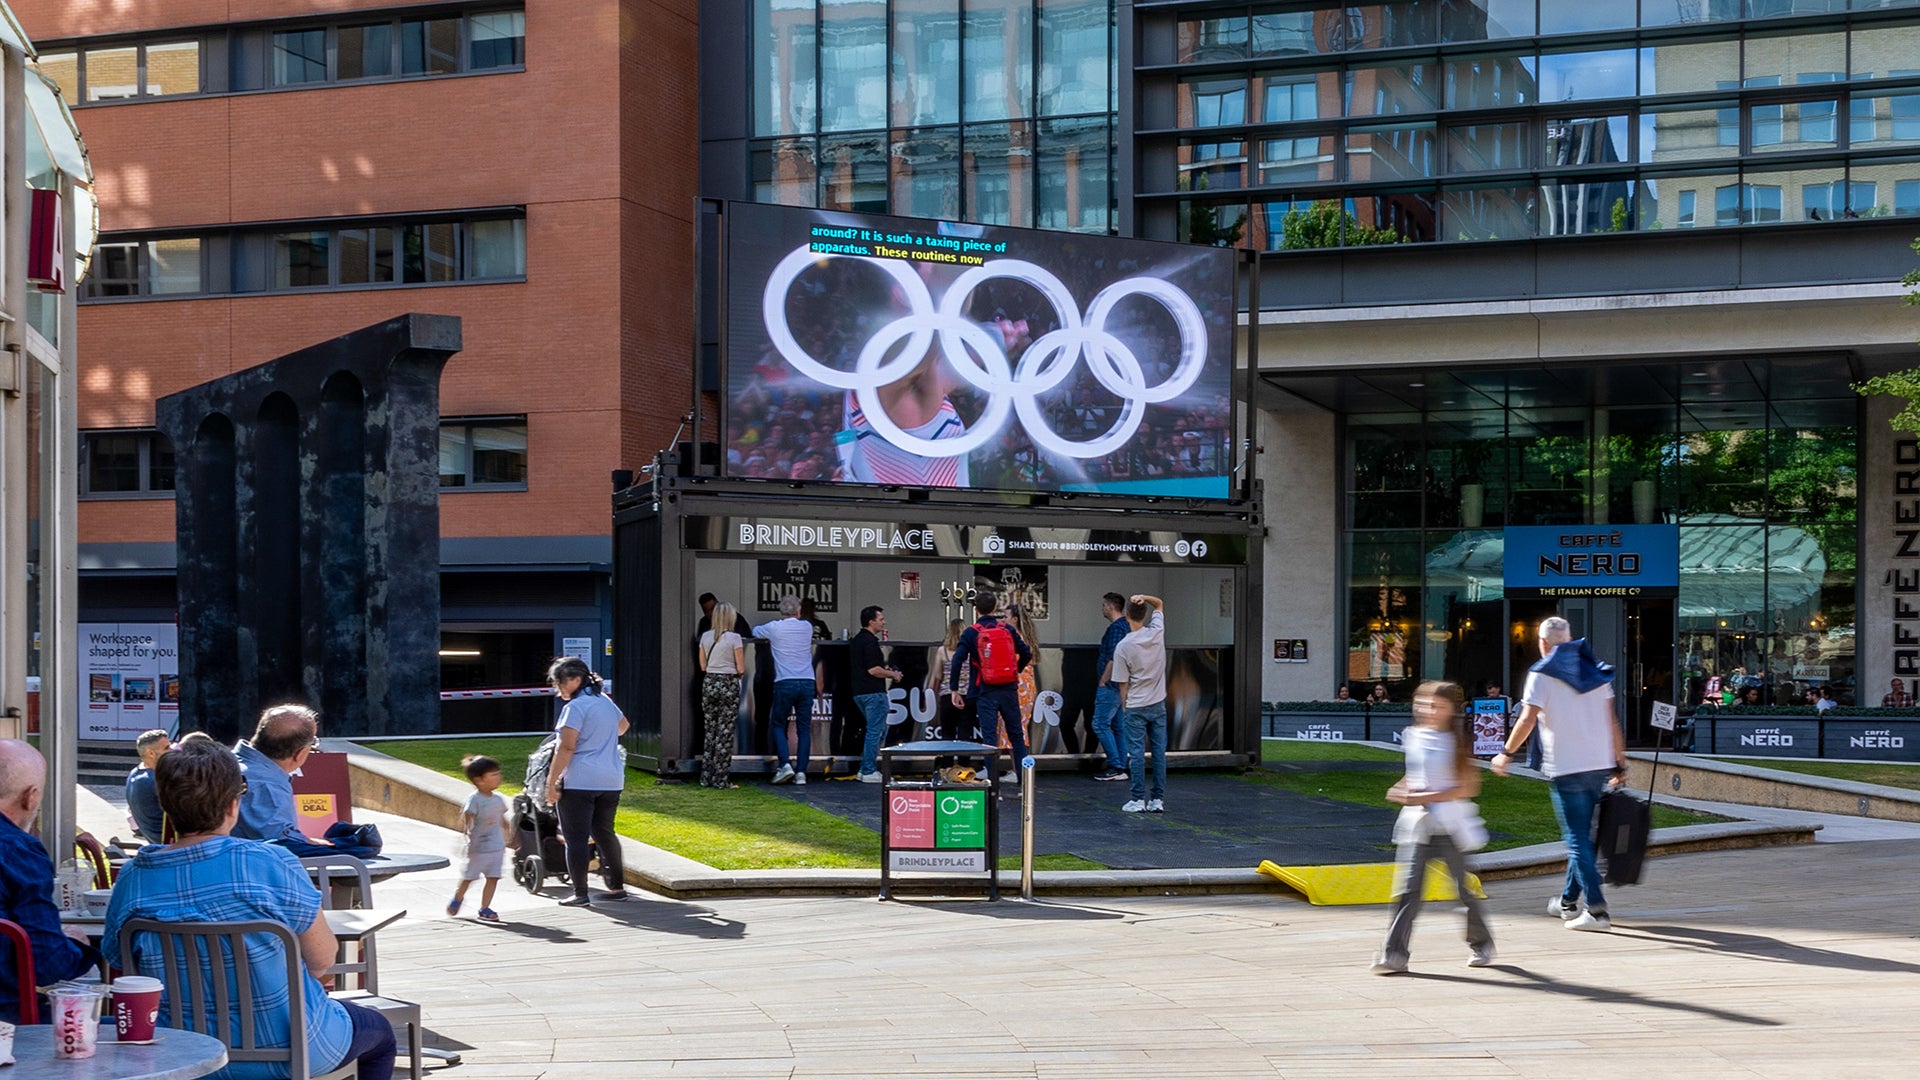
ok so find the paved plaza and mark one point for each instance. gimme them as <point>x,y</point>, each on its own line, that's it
<point>1783,962</point>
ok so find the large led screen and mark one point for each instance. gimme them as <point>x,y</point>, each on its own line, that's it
<point>882,350</point>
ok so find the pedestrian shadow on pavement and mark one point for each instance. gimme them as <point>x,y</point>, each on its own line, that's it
<point>1762,947</point>
<point>671,917</point>
<point>1035,911</point>
<point>1604,995</point>
<point>552,935</point>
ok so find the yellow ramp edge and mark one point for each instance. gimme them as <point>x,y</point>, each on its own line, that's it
<point>1361,883</point>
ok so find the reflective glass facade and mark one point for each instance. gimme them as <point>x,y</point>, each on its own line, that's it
<point>996,111</point>
<point>1293,126</point>
<point>1755,462</point>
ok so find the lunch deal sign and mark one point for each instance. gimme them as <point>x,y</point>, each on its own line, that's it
<point>129,678</point>
<point>937,830</point>
<point>1591,560</point>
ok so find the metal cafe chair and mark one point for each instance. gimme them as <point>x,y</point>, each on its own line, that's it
<point>200,996</point>
<point>336,876</point>
<point>16,936</point>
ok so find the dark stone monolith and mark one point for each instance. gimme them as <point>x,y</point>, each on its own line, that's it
<point>308,520</point>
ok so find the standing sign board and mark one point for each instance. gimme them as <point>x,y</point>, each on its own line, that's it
<point>1490,725</point>
<point>129,679</point>
<point>1664,715</point>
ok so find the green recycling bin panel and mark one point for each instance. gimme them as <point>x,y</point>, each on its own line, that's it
<point>960,820</point>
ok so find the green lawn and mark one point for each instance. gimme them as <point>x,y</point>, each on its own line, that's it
<point>747,828</point>
<point>1886,774</point>
<point>1511,805</point>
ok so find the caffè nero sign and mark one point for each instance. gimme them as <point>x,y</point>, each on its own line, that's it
<point>1592,560</point>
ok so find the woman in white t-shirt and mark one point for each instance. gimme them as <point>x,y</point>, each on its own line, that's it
<point>1437,821</point>
<point>723,658</point>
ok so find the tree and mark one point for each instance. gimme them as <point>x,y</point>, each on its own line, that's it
<point>1327,224</point>
<point>1901,384</point>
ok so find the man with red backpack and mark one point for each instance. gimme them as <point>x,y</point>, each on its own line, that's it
<point>997,656</point>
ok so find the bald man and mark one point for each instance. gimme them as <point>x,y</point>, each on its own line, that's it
<point>26,882</point>
<point>281,743</point>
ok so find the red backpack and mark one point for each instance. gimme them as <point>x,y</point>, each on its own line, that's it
<point>999,662</point>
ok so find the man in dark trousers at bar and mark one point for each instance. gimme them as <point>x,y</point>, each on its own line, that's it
<point>997,656</point>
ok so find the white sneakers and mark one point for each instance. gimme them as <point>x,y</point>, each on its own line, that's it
<point>1480,955</point>
<point>1155,806</point>
<point>1575,919</point>
<point>1134,806</point>
<point>1593,921</point>
<point>799,779</point>
<point>869,777</point>
<point>783,775</point>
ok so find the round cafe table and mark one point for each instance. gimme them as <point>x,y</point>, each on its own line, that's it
<point>393,863</point>
<point>173,1055</point>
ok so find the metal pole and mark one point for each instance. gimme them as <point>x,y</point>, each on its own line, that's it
<point>59,560</point>
<point>14,647</point>
<point>1026,831</point>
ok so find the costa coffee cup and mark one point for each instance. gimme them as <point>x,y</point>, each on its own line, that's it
<point>136,1007</point>
<point>76,1020</point>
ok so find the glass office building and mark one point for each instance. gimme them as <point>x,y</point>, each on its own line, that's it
<point>1289,126</point>
<point>994,111</point>
<point>1580,265</point>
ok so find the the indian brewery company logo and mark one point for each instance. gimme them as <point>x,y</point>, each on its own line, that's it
<point>1766,737</point>
<point>1877,740</point>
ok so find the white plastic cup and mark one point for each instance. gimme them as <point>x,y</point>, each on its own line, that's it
<point>76,1020</point>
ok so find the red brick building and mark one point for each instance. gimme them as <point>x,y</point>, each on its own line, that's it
<point>273,173</point>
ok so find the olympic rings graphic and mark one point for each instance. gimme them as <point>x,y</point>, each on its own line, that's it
<point>980,358</point>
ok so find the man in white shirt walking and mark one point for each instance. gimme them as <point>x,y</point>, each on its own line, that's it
<point>1140,672</point>
<point>795,683</point>
<point>1569,695</point>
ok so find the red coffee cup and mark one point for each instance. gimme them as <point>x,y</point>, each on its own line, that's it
<point>136,1007</point>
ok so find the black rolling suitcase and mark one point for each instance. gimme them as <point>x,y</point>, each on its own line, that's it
<point>1621,836</point>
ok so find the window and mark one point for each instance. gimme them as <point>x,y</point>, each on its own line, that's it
<point>364,52</point>
<point>1906,197</point>
<point>299,56</point>
<point>1687,200</point>
<point>1746,204</point>
<point>126,72</point>
<point>300,259</point>
<point>484,453</point>
<point>125,464</point>
<point>496,39</point>
<point>313,256</point>
<point>146,268</point>
<point>430,46</point>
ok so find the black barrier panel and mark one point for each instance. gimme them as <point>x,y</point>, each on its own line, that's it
<point>1758,736</point>
<point>1873,740</point>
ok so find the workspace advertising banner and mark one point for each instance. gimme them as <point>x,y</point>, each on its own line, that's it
<point>902,351</point>
<point>1591,560</point>
<point>129,679</point>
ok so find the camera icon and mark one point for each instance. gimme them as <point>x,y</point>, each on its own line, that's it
<point>994,544</point>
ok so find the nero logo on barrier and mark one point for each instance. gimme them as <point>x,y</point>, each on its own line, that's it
<point>1321,733</point>
<point>1877,740</point>
<point>1766,737</point>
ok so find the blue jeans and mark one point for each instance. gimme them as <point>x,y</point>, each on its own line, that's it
<point>1576,797</point>
<point>874,708</point>
<point>1001,705</point>
<point>372,1045</point>
<point>1107,728</point>
<point>792,697</point>
<point>1147,728</point>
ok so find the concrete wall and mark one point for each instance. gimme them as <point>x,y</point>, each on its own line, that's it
<point>1299,469</point>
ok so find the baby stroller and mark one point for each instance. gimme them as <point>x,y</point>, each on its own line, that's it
<point>537,827</point>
